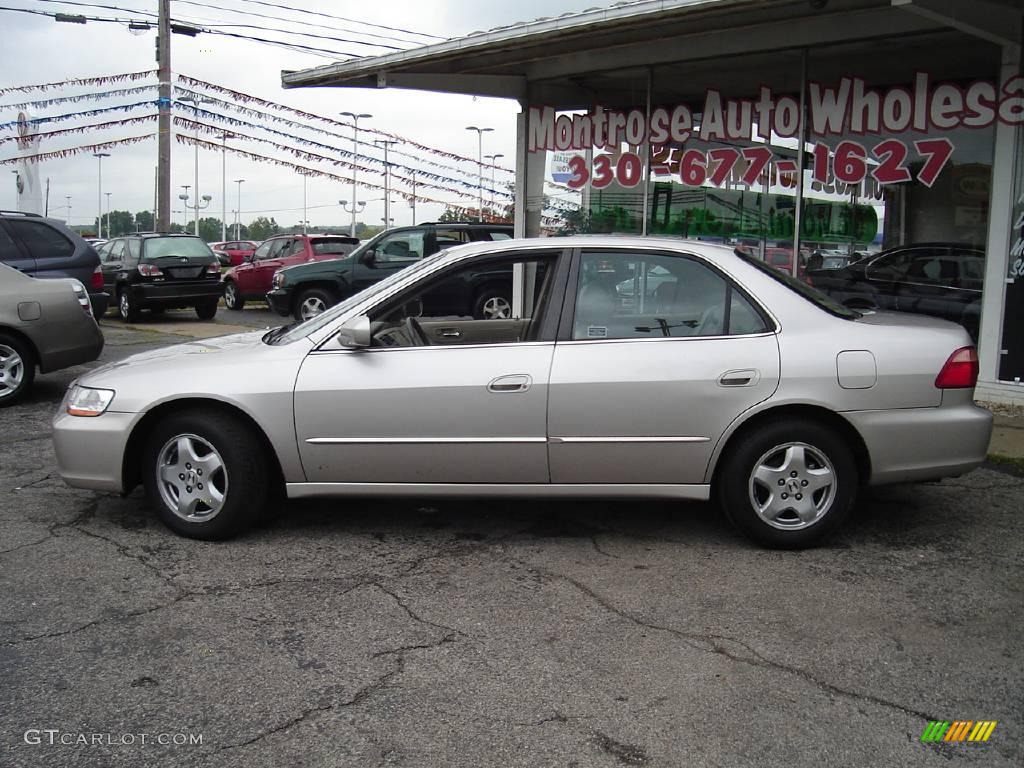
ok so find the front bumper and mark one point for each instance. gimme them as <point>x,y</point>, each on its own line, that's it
<point>279,301</point>
<point>915,444</point>
<point>90,450</point>
<point>180,293</point>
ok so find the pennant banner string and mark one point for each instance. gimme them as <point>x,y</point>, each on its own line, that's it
<point>76,150</point>
<point>82,97</point>
<point>83,128</point>
<point>104,80</point>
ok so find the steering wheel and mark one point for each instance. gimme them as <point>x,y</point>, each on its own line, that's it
<point>415,331</point>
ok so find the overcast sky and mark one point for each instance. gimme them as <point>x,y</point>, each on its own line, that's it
<point>38,49</point>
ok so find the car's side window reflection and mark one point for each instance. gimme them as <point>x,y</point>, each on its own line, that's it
<point>467,305</point>
<point>646,296</point>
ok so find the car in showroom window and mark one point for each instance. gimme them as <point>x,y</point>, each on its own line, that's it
<point>728,380</point>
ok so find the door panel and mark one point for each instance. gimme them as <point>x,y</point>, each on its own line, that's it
<point>650,411</point>
<point>424,415</point>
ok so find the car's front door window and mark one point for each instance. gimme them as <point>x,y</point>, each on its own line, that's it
<point>400,248</point>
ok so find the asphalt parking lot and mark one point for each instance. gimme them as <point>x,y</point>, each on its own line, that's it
<point>440,633</point>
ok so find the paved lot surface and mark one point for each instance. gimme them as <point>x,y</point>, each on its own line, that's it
<point>435,633</point>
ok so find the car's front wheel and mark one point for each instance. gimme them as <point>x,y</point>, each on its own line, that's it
<point>788,484</point>
<point>206,474</point>
<point>17,369</point>
<point>312,302</point>
<point>232,296</point>
<point>207,310</point>
<point>126,307</point>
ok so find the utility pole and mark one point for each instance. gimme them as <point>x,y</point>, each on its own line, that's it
<point>163,163</point>
<point>412,202</point>
<point>387,180</point>
<point>46,208</point>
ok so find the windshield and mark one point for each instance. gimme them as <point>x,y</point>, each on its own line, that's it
<point>316,323</point>
<point>157,247</point>
<point>812,295</point>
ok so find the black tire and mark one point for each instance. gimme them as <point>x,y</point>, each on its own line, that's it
<point>243,481</point>
<point>17,362</point>
<point>126,308</point>
<point>207,310</point>
<point>493,303</point>
<point>306,300</point>
<point>826,455</point>
<point>232,296</point>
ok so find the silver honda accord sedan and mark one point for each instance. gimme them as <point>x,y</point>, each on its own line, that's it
<point>631,367</point>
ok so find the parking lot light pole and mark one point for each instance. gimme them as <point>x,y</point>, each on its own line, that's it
<point>494,160</point>
<point>99,192</point>
<point>238,213</point>
<point>108,212</point>
<point>387,179</point>
<point>224,186</point>
<point>195,105</point>
<point>355,166</point>
<point>480,166</point>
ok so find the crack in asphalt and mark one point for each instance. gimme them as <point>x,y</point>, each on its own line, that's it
<point>712,643</point>
<point>597,547</point>
<point>414,616</point>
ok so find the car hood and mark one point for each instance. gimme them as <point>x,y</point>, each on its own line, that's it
<point>323,265</point>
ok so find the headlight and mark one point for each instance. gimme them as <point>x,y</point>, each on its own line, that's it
<point>85,401</point>
<point>278,279</point>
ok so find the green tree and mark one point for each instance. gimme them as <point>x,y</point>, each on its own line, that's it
<point>117,223</point>
<point>261,228</point>
<point>144,221</point>
<point>209,229</point>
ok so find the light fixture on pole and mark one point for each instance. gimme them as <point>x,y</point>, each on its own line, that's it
<point>238,213</point>
<point>494,161</point>
<point>480,165</point>
<point>356,207</point>
<point>387,179</point>
<point>99,192</point>
<point>195,106</point>
<point>224,185</point>
<point>108,213</point>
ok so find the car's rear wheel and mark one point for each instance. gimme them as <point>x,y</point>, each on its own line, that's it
<point>207,310</point>
<point>232,296</point>
<point>126,307</point>
<point>312,302</point>
<point>17,369</point>
<point>493,304</point>
<point>206,474</point>
<point>788,484</point>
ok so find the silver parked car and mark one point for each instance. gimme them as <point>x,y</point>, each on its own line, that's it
<point>730,380</point>
<point>44,324</point>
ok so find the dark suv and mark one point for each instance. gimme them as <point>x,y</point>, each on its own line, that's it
<point>306,290</point>
<point>161,271</point>
<point>47,248</point>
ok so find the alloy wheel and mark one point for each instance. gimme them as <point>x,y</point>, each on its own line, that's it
<point>192,478</point>
<point>792,486</point>
<point>311,307</point>
<point>124,305</point>
<point>496,308</point>
<point>12,371</point>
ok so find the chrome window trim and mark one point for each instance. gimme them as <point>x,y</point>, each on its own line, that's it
<point>668,338</point>
<point>433,347</point>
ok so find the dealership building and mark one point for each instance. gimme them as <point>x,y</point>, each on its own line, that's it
<point>792,128</point>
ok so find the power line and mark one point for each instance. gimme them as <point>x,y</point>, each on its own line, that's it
<point>341,18</point>
<point>302,34</point>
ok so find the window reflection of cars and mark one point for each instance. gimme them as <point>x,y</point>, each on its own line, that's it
<point>733,381</point>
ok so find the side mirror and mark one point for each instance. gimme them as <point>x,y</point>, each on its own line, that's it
<point>355,333</point>
<point>368,257</point>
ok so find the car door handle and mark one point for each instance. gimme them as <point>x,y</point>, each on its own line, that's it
<point>449,333</point>
<point>747,377</point>
<point>518,382</point>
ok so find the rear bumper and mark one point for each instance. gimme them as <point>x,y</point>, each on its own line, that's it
<point>913,444</point>
<point>280,302</point>
<point>180,294</point>
<point>100,302</point>
<point>90,451</point>
<point>79,342</point>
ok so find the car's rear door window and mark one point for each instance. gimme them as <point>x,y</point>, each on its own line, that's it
<point>41,240</point>
<point>622,295</point>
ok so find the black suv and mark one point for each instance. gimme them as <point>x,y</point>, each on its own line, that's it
<point>306,290</point>
<point>939,279</point>
<point>161,271</point>
<point>47,248</point>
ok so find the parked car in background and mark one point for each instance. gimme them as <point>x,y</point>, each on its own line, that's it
<point>47,248</point>
<point>938,279</point>
<point>758,392</point>
<point>161,271</point>
<point>44,324</point>
<point>231,253</point>
<point>307,290</point>
<point>251,280</point>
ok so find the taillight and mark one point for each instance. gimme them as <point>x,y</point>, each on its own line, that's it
<point>960,370</point>
<point>149,270</point>
<point>96,282</point>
